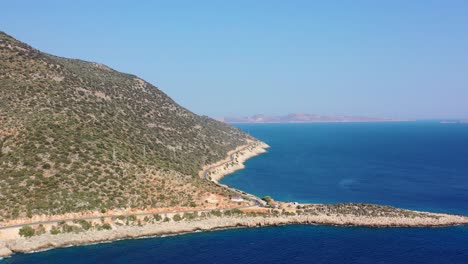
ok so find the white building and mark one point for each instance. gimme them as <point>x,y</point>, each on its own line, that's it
<point>237,199</point>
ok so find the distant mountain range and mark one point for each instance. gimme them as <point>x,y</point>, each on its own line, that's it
<point>302,118</point>
<point>454,121</point>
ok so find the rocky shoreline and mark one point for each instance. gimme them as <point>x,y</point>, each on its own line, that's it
<point>48,241</point>
<point>217,172</point>
<point>10,241</point>
<point>273,214</point>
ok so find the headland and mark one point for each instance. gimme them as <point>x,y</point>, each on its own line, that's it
<point>30,237</point>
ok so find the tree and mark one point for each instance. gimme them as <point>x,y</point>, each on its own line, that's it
<point>177,217</point>
<point>267,199</point>
<point>27,231</point>
<point>85,224</point>
<point>54,230</point>
<point>157,217</point>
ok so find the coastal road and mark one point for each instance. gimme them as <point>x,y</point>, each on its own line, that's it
<point>258,202</point>
<point>247,196</point>
<point>231,159</point>
<point>125,215</point>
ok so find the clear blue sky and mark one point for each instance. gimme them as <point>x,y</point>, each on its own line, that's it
<point>403,59</point>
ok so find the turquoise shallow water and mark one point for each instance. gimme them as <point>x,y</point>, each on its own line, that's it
<point>420,165</point>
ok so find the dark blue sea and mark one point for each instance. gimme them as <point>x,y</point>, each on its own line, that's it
<point>417,165</point>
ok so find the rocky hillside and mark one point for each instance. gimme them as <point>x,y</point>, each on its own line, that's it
<point>77,135</point>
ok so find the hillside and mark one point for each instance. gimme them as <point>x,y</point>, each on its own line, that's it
<point>77,135</point>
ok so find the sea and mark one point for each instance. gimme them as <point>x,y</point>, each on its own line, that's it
<point>414,165</point>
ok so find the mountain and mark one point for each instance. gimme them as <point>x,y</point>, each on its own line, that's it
<point>301,118</point>
<point>78,135</point>
<point>454,121</point>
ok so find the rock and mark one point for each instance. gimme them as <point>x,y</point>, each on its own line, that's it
<point>4,250</point>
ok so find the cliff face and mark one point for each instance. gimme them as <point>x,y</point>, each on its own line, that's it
<point>77,135</point>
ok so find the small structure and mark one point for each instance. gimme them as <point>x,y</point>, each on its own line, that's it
<point>237,199</point>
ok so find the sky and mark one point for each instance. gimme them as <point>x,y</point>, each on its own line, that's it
<point>395,58</point>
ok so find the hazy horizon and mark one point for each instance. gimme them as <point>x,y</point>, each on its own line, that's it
<point>398,59</point>
<point>344,115</point>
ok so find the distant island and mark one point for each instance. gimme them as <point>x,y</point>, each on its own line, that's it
<point>454,121</point>
<point>303,118</point>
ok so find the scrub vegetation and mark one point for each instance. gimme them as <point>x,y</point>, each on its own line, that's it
<point>77,136</point>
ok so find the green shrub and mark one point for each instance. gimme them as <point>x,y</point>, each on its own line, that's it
<point>267,199</point>
<point>191,216</point>
<point>157,217</point>
<point>27,231</point>
<point>177,217</point>
<point>85,224</point>
<point>54,230</point>
<point>216,213</point>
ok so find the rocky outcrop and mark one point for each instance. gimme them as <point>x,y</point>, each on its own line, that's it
<point>4,250</point>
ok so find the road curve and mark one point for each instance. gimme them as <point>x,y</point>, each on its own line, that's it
<point>250,197</point>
